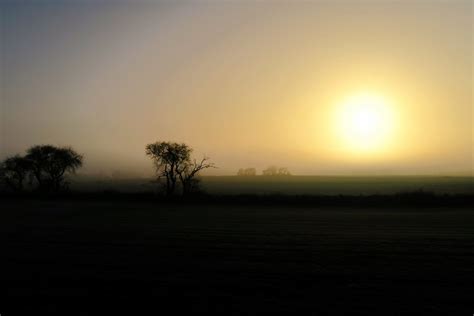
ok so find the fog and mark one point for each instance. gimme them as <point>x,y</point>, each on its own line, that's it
<point>247,84</point>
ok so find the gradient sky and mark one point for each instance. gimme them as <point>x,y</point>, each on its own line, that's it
<point>247,83</point>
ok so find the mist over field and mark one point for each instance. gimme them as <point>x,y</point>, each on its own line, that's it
<point>292,185</point>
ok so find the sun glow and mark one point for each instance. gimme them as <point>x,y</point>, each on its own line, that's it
<point>365,123</point>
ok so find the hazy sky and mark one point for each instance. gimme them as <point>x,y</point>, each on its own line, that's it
<point>247,83</point>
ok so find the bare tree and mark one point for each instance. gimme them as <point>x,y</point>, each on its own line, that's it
<point>187,174</point>
<point>49,165</point>
<point>173,163</point>
<point>168,157</point>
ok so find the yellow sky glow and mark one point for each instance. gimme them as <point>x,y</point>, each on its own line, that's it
<point>320,87</point>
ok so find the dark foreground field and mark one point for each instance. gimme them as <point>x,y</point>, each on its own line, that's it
<point>145,258</point>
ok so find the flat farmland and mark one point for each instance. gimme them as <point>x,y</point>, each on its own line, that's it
<point>292,185</point>
<point>102,257</point>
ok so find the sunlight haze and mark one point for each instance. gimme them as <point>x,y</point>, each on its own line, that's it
<point>319,87</point>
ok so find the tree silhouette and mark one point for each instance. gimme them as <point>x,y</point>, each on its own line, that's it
<point>247,172</point>
<point>49,164</point>
<point>276,171</point>
<point>270,171</point>
<point>14,171</point>
<point>173,162</point>
<point>187,174</point>
<point>284,172</point>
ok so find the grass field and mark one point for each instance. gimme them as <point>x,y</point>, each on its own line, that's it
<point>296,184</point>
<point>104,257</point>
<point>336,185</point>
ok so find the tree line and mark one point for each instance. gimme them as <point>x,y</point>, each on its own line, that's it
<point>44,168</point>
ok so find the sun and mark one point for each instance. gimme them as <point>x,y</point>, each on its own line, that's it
<point>365,123</point>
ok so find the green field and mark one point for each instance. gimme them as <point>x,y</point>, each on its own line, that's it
<point>297,185</point>
<point>336,185</point>
<point>136,258</point>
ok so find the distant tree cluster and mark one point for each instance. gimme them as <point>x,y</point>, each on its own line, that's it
<point>247,172</point>
<point>174,165</point>
<point>276,171</point>
<point>44,167</point>
<point>270,171</point>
